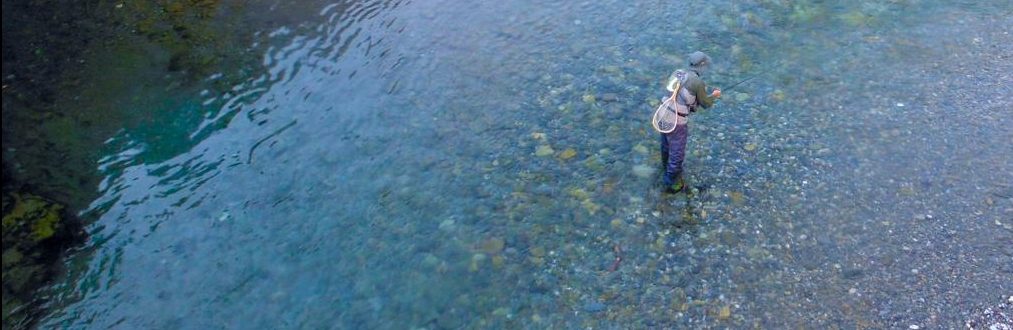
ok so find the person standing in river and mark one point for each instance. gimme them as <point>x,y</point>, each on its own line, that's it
<point>692,94</point>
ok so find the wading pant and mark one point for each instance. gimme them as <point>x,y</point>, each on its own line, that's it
<point>673,152</point>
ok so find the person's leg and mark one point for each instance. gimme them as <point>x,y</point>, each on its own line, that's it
<point>669,157</point>
<point>664,150</point>
<point>678,147</point>
<point>676,155</point>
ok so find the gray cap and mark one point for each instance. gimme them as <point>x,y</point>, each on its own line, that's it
<point>698,60</point>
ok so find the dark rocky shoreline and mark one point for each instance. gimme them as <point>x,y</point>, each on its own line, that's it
<point>50,133</point>
<point>69,72</point>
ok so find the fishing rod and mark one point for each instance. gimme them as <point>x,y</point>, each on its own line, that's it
<point>740,82</point>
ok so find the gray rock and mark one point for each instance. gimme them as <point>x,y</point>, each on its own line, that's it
<point>594,307</point>
<point>852,273</point>
<point>544,190</point>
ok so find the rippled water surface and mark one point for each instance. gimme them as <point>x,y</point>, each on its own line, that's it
<point>448,164</point>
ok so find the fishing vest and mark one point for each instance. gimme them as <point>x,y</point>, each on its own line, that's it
<point>685,100</point>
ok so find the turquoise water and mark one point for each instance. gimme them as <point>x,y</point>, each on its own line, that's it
<point>391,168</point>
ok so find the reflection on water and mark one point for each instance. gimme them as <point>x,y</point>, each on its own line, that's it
<point>442,165</point>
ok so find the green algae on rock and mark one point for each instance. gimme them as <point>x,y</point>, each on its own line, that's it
<point>39,215</point>
<point>35,234</point>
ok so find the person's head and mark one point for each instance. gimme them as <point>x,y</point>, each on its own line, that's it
<point>698,61</point>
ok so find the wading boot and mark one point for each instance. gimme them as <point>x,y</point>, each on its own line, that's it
<point>676,187</point>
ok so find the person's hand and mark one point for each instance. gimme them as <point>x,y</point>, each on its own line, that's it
<point>716,93</point>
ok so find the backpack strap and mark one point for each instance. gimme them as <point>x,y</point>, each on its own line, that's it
<point>682,100</point>
<point>677,95</point>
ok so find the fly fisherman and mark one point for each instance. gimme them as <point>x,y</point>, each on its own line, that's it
<point>691,94</point>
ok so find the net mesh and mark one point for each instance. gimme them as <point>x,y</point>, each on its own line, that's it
<point>665,117</point>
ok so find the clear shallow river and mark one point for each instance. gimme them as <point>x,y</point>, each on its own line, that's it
<point>444,164</point>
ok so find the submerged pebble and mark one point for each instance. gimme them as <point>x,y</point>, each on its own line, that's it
<point>644,171</point>
<point>544,151</point>
<point>594,307</point>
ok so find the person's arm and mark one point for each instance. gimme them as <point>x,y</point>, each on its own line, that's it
<point>699,88</point>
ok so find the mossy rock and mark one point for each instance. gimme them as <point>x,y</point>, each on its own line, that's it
<point>39,216</point>
<point>35,235</point>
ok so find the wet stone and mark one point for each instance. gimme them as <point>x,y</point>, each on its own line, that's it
<point>725,313</point>
<point>430,260</point>
<point>544,150</point>
<point>567,154</point>
<point>736,197</point>
<point>476,262</point>
<point>778,95</point>
<point>537,252</point>
<point>493,245</point>
<point>447,225</point>
<point>643,171</point>
<point>544,189</point>
<point>594,307</point>
<point>613,69</point>
<point>852,273</point>
<point>756,253</point>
